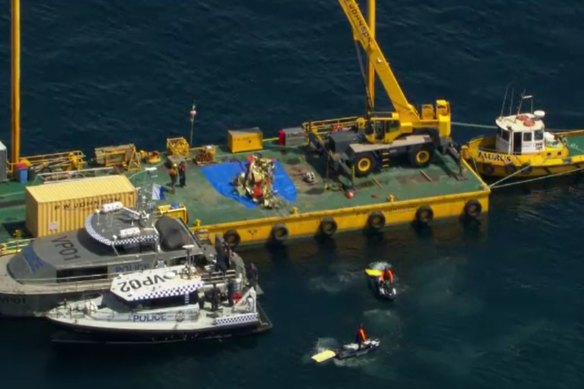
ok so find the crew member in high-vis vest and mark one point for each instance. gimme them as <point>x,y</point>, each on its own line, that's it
<point>361,336</point>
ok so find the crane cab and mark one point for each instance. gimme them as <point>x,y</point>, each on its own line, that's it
<point>383,129</point>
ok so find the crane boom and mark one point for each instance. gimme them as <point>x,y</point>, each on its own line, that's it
<point>363,35</point>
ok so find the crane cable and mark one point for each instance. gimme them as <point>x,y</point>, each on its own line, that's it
<point>362,69</point>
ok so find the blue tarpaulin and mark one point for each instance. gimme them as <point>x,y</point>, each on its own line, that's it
<point>222,175</point>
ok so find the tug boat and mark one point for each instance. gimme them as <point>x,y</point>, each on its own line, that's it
<point>383,288</point>
<point>162,305</point>
<point>522,147</point>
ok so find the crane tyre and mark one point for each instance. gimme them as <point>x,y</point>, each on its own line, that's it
<point>363,165</point>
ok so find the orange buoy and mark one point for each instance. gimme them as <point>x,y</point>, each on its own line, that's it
<point>349,194</point>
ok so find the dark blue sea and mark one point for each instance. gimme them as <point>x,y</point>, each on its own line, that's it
<point>500,306</point>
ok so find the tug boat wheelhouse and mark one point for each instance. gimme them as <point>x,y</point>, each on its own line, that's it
<point>168,304</point>
<point>523,148</point>
<point>115,240</point>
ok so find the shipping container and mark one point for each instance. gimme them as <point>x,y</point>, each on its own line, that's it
<point>63,206</point>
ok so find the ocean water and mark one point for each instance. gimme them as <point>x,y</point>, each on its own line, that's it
<point>498,306</point>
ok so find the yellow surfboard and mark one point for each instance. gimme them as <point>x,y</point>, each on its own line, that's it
<point>324,356</point>
<point>373,272</point>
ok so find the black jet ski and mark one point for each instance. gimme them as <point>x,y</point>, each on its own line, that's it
<point>382,288</point>
<point>350,350</point>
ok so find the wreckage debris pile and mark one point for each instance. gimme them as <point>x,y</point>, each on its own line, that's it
<point>257,182</point>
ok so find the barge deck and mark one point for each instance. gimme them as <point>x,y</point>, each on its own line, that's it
<point>397,193</point>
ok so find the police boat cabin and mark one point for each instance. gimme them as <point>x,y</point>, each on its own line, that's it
<point>523,148</point>
<point>114,240</point>
<point>163,305</point>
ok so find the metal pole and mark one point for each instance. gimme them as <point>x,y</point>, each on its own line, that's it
<point>370,65</point>
<point>15,90</point>
<point>192,114</point>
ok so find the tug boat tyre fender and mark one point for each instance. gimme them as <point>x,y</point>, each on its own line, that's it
<point>280,233</point>
<point>376,221</point>
<point>180,316</point>
<point>526,169</point>
<point>488,169</point>
<point>472,209</point>
<point>232,238</point>
<point>328,226</point>
<point>424,215</point>
<point>510,169</point>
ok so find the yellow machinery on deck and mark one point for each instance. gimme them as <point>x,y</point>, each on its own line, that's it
<point>178,211</point>
<point>124,156</point>
<point>65,161</point>
<point>404,131</point>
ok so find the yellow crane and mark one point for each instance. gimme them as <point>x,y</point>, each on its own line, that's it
<point>384,136</point>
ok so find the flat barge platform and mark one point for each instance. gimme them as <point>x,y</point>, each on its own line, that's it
<point>393,196</point>
<point>399,195</point>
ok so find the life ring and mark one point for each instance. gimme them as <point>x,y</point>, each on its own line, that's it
<point>424,215</point>
<point>376,220</point>
<point>280,233</point>
<point>180,316</point>
<point>488,169</point>
<point>510,168</point>
<point>328,226</point>
<point>232,238</point>
<point>472,209</point>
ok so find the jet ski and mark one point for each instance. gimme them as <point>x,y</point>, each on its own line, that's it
<point>350,350</point>
<point>383,288</point>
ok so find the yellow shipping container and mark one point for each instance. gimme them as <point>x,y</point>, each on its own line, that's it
<point>64,206</point>
<point>250,139</point>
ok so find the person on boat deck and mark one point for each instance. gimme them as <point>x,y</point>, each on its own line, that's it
<point>172,172</point>
<point>220,264</point>
<point>387,275</point>
<point>360,336</point>
<point>182,169</point>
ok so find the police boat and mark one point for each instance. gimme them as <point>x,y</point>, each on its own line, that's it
<point>169,304</point>
<point>114,240</point>
<point>350,350</point>
<point>381,280</point>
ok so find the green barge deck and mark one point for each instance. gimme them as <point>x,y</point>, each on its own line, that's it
<point>390,197</point>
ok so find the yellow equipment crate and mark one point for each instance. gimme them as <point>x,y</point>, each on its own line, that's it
<point>178,211</point>
<point>178,146</point>
<point>248,139</point>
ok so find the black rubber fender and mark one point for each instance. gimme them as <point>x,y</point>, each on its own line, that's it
<point>488,169</point>
<point>424,215</point>
<point>472,209</point>
<point>376,220</point>
<point>232,238</point>
<point>328,226</point>
<point>280,233</point>
<point>510,169</point>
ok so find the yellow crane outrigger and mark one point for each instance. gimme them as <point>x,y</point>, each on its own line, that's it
<point>403,131</point>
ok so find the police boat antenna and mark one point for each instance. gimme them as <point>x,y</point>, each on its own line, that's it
<point>189,264</point>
